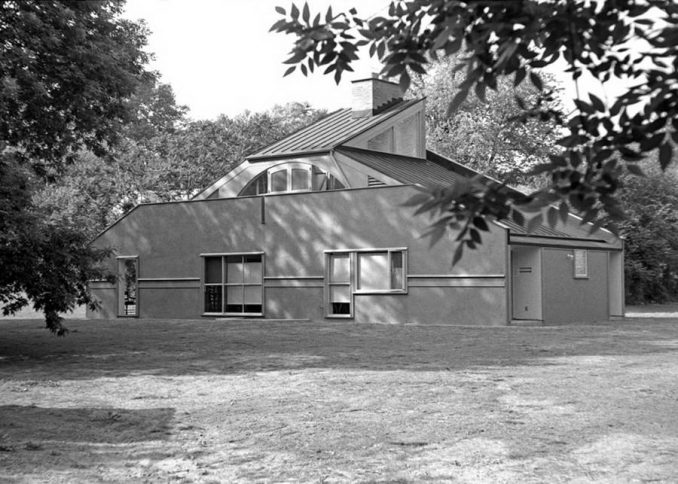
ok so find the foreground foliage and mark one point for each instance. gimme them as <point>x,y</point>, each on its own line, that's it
<point>516,38</point>
<point>484,135</point>
<point>68,72</point>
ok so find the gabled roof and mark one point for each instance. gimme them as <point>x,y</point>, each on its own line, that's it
<point>439,172</point>
<point>405,169</point>
<point>331,131</point>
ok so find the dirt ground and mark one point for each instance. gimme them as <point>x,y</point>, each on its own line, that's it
<point>224,401</point>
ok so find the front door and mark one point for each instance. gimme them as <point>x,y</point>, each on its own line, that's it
<point>526,282</point>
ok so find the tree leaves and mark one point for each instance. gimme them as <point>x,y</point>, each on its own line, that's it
<point>520,40</point>
<point>536,80</point>
<point>457,100</point>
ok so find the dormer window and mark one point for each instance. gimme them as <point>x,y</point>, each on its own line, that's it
<point>292,177</point>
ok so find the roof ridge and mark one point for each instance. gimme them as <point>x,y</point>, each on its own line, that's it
<point>365,150</point>
<point>329,132</point>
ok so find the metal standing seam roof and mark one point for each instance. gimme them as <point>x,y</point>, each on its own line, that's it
<point>418,171</point>
<point>328,133</point>
<point>406,169</point>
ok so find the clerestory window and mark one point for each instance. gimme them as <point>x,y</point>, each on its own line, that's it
<point>292,177</point>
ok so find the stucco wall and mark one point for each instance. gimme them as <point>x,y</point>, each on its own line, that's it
<point>567,299</point>
<point>296,230</point>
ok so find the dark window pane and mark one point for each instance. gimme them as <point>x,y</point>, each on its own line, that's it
<point>234,308</point>
<point>252,308</point>
<point>334,184</point>
<point>341,308</point>
<point>253,258</point>
<point>212,270</point>
<point>213,299</point>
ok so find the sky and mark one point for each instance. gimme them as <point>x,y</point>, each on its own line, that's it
<point>220,58</point>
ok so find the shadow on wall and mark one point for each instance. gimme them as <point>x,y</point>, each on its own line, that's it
<point>300,227</point>
<point>297,228</point>
<point>295,231</point>
<point>85,425</point>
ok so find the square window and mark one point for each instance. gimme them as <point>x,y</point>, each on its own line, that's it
<point>241,291</point>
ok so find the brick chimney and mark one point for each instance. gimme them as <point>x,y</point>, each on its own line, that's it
<point>373,95</point>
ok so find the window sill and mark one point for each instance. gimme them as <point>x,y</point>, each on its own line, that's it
<point>232,315</point>
<point>380,292</point>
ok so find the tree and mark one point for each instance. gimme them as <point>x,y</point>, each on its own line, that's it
<point>163,161</point>
<point>68,71</point>
<point>518,38</point>
<point>485,136</point>
<point>650,233</point>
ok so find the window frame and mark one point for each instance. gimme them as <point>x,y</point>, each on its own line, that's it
<point>311,169</point>
<point>354,276</point>
<point>121,307</point>
<point>585,255</point>
<point>329,284</point>
<point>288,167</point>
<point>390,251</point>
<point>224,284</point>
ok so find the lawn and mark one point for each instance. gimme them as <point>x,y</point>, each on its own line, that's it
<point>223,401</point>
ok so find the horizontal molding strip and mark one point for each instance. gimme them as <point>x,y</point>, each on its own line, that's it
<point>163,287</point>
<point>455,276</point>
<point>219,254</point>
<point>167,279</point>
<point>286,278</point>
<point>288,283</point>
<point>457,283</point>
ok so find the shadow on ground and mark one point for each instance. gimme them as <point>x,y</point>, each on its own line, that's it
<point>84,425</point>
<point>119,348</point>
